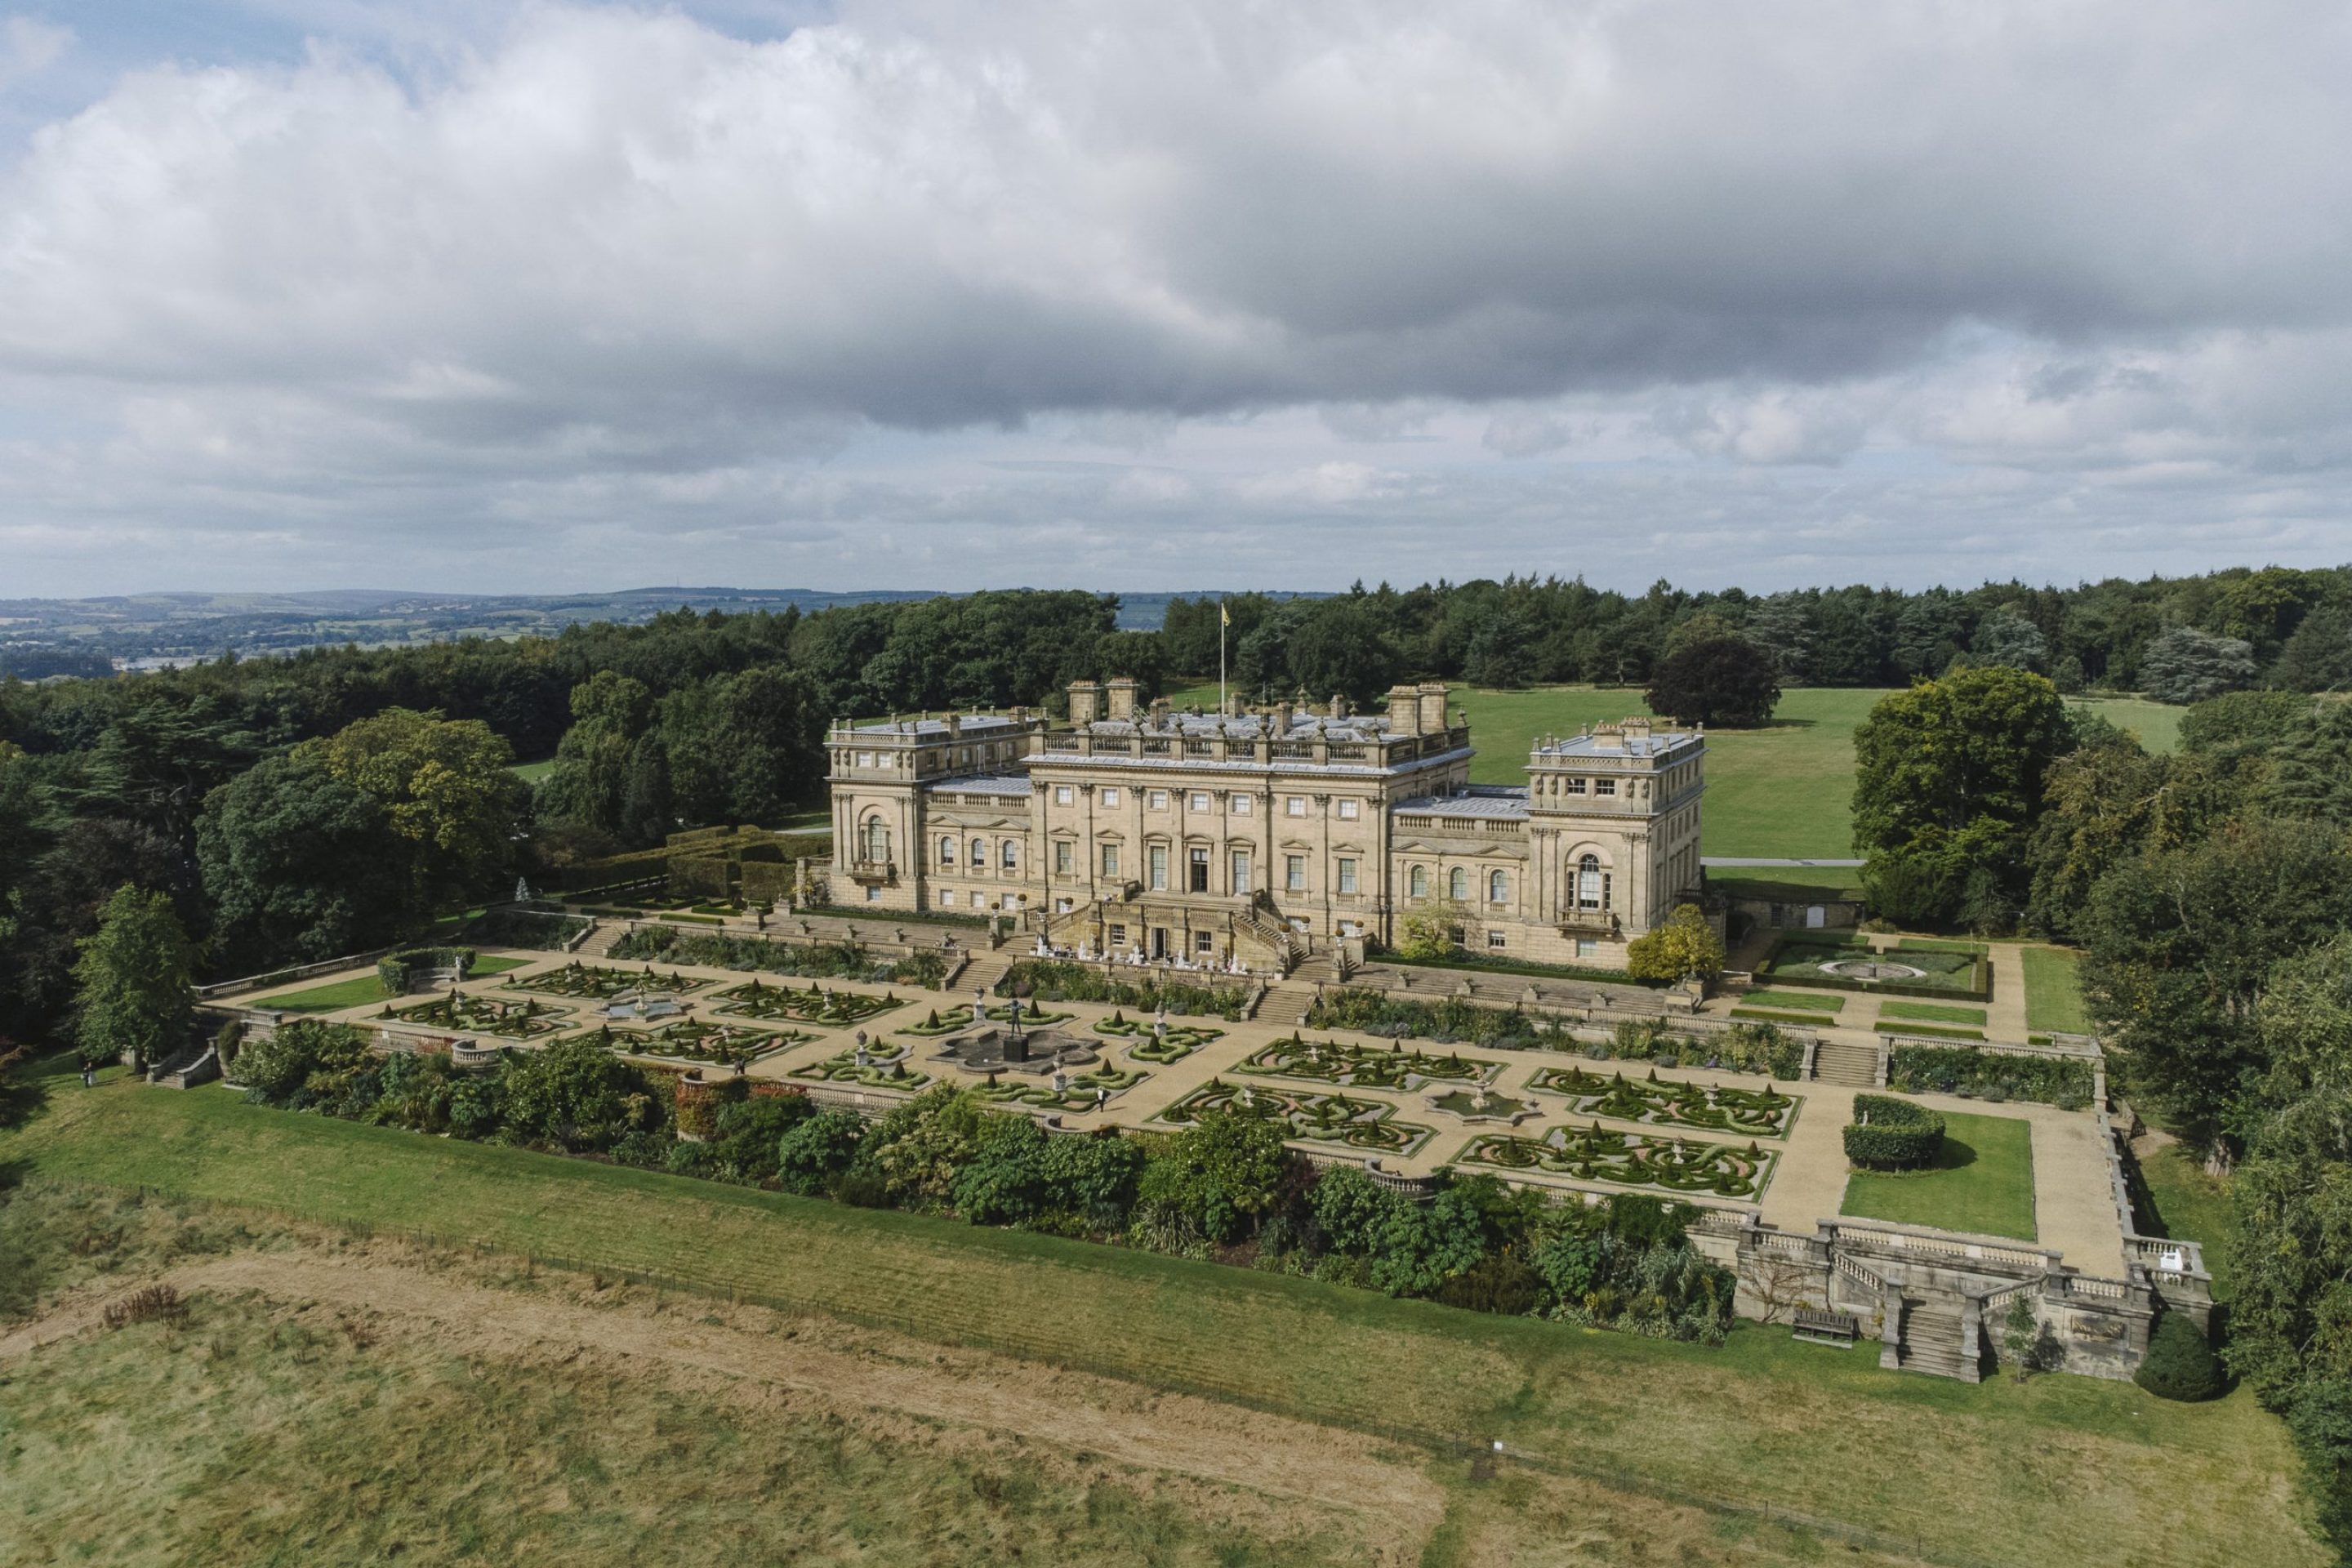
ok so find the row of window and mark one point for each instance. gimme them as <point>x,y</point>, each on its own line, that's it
<point>1008,854</point>
<point>1197,802</point>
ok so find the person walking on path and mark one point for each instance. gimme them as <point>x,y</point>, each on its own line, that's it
<point>89,1076</point>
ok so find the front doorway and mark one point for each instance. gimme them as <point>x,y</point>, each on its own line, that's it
<point>1158,942</point>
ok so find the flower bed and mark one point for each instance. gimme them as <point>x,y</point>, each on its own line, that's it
<point>1759,1113</point>
<point>1364,1125</point>
<point>1630,1159</point>
<point>2062,1082</point>
<point>1754,1048</point>
<point>1445,1021</point>
<point>1365,1067</point>
<point>1058,980</point>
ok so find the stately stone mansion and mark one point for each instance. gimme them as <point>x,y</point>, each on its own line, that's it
<point>1260,837</point>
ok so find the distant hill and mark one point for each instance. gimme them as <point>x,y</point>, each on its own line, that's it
<point>50,636</point>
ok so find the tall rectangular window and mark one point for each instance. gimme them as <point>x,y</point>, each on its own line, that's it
<point>1294,873</point>
<point>1110,859</point>
<point>1158,855</point>
<point>1062,858</point>
<point>1196,871</point>
<point>1240,868</point>
<point>1346,875</point>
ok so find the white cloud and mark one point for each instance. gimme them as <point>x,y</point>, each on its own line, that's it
<point>30,46</point>
<point>1512,265</point>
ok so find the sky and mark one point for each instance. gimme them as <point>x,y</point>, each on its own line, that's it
<point>458,295</point>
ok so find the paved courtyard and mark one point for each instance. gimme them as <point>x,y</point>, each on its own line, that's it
<point>1804,1179</point>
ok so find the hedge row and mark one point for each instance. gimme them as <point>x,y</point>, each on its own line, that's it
<point>1890,1134</point>
<point>1055,980</point>
<point>2062,1082</point>
<point>393,971</point>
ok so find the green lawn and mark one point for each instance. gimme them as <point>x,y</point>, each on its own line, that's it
<point>1983,1183</point>
<point>1800,1001</point>
<point>1767,1422</point>
<point>2156,724</point>
<point>1930,1013</point>
<point>1786,884</point>
<point>2192,1206</point>
<point>532,772</point>
<point>361,989</point>
<point>2053,993</point>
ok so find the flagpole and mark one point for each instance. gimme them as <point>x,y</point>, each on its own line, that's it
<point>1222,620</point>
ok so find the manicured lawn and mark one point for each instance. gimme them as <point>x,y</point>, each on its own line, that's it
<point>2192,1206</point>
<point>1930,1013</point>
<point>1801,1001</point>
<point>1782,791</point>
<point>1786,884</point>
<point>1762,1420</point>
<point>2054,991</point>
<point>2156,724</point>
<point>361,989</point>
<point>1983,1184</point>
<point>532,772</point>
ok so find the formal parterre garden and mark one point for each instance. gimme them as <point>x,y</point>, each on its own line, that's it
<point>1364,1125</point>
<point>1078,1092</point>
<point>939,1021</point>
<point>1157,1043</point>
<point>878,1070</point>
<point>698,1040</point>
<point>1366,1066</point>
<point>1597,1153</point>
<point>523,1020</point>
<point>814,1005</point>
<point>1756,1112</point>
<point>1943,969</point>
<point>599,982</point>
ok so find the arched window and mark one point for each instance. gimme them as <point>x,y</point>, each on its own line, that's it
<point>1457,885</point>
<point>1591,884</point>
<point>1418,881</point>
<point>947,852</point>
<point>1498,887</point>
<point>877,839</point>
<point>979,861</point>
<point>1012,860</point>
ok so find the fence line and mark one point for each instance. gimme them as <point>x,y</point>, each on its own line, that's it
<point>1062,1357</point>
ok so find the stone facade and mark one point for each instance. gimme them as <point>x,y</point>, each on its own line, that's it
<point>1264,837</point>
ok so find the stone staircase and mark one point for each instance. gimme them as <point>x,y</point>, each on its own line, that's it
<point>1286,1002</point>
<point>197,1064</point>
<point>983,971</point>
<point>601,941</point>
<point>1933,1343</point>
<point>1851,1062</point>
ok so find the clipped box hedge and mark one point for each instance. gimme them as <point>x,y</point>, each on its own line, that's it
<point>1890,1134</point>
<point>2064,1081</point>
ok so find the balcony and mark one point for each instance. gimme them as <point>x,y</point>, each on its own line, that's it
<point>1585,922</point>
<point>872,873</point>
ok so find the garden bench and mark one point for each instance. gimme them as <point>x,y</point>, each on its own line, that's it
<point>1816,1327</point>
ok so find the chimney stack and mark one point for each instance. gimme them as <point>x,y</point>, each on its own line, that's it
<point>1085,701</point>
<point>1122,696</point>
<point>1432,707</point>
<point>1405,710</point>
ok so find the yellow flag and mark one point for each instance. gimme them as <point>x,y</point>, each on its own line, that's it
<point>1225,617</point>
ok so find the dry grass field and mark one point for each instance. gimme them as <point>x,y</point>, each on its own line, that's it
<point>1657,1451</point>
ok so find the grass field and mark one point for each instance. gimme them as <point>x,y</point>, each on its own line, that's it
<point>1783,791</point>
<point>2059,1467</point>
<point>1983,1181</point>
<point>1931,1012</point>
<point>1795,1001</point>
<point>2054,991</point>
<point>1786,884</point>
<point>532,772</point>
<point>361,989</point>
<point>2191,1206</point>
